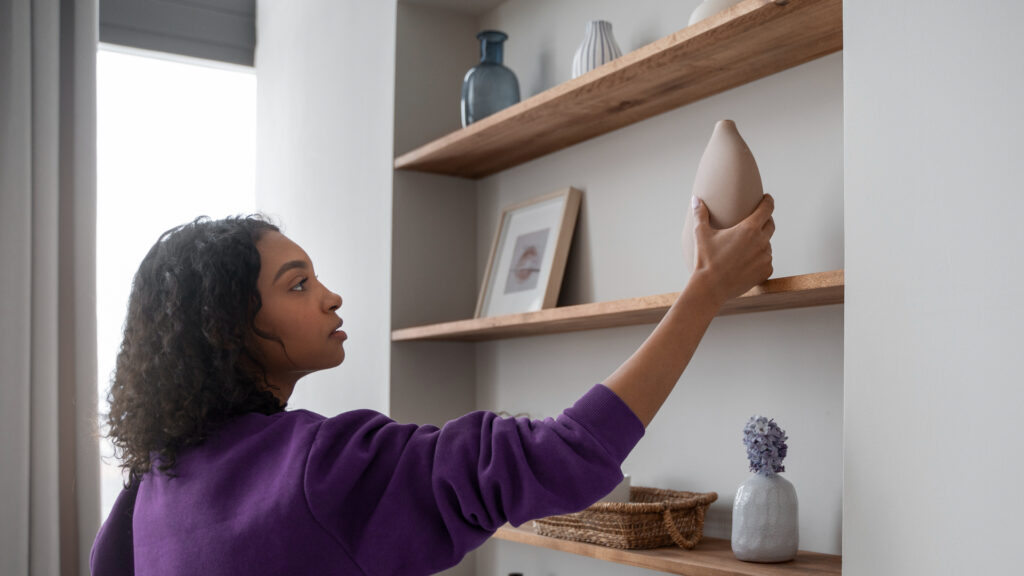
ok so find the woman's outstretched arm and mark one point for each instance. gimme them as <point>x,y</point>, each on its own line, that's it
<point>728,263</point>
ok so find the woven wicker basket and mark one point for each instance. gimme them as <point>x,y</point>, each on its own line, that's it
<point>651,519</point>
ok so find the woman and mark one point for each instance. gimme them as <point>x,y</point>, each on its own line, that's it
<point>226,316</point>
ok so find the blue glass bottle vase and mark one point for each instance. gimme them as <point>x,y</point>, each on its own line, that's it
<point>489,86</point>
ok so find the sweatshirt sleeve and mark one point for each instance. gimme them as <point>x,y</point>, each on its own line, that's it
<point>112,552</point>
<point>406,499</point>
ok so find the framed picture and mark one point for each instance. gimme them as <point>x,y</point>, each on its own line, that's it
<point>527,261</point>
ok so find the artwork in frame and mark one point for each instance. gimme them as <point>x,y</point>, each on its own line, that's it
<point>527,261</point>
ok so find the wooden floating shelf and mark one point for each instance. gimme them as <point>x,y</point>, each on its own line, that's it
<point>712,557</point>
<point>819,289</point>
<point>751,40</point>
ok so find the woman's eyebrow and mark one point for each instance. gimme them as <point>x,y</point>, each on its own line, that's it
<point>289,266</point>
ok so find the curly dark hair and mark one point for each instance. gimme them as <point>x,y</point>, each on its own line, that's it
<point>188,360</point>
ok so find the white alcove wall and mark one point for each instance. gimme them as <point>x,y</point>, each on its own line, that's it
<point>787,365</point>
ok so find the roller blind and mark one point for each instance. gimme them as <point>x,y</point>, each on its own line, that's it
<point>223,30</point>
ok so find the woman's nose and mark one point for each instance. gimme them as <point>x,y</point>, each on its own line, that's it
<point>333,301</point>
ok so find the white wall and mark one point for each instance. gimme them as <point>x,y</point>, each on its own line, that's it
<point>934,245</point>
<point>326,111</point>
<point>434,224</point>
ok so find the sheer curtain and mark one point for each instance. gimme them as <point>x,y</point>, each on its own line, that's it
<point>49,502</point>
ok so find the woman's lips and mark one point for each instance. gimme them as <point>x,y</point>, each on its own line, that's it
<point>338,332</point>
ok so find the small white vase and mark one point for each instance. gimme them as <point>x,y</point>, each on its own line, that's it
<point>598,47</point>
<point>764,520</point>
<point>710,8</point>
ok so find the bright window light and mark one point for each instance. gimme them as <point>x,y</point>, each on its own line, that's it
<point>176,140</point>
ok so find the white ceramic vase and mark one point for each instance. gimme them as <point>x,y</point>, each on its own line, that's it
<point>710,8</point>
<point>765,520</point>
<point>598,47</point>
<point>728,182</point>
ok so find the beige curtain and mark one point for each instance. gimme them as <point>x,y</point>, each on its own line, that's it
<point>49,473</point>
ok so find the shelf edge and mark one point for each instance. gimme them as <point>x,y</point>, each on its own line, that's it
<point>711,557</point>
<point>807,290</point>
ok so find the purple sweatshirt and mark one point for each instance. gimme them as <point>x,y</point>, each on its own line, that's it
<point>297,493</point>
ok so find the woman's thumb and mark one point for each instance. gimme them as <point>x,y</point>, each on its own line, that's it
<point>700,211</point>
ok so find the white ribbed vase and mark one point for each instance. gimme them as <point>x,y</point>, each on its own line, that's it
<point>597,48</point>
<point>764,520</point>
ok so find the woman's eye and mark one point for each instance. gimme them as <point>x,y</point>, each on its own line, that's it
<point>301,286</point>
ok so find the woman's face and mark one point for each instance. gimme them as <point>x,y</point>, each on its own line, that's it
<point>299,311</point>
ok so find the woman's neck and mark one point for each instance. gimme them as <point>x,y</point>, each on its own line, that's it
<point>281,386</point>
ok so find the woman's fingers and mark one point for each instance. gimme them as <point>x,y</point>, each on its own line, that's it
<point>763,213</point>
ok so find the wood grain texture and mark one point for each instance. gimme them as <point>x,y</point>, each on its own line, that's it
<point>712,557</point>
<point>751,40</point>
<point>819,289</point>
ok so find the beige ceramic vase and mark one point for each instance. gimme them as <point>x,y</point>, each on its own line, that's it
<point>728,182</point>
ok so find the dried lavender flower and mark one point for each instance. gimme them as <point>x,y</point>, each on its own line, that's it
<point>766,445</point>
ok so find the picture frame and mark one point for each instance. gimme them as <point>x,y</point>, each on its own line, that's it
<point>528,255</point>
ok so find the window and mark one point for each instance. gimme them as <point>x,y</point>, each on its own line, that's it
<point>176,140</point>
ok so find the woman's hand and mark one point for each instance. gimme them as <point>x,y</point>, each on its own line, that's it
<point>733,260</point>
<point>728,263</point>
